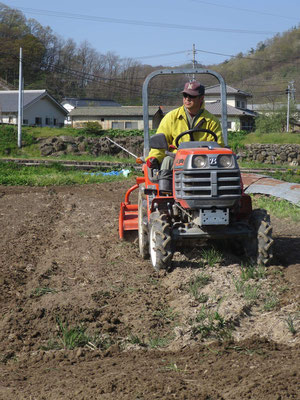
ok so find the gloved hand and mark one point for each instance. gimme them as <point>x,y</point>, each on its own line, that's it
<point>153,163</point>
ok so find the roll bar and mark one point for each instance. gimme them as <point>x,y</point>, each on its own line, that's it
<point>175,72</point>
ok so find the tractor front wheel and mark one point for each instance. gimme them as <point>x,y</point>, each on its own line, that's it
<point>160,241</point>
<point>259,248</point>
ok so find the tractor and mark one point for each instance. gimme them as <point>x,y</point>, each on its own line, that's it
<point>206,201</point>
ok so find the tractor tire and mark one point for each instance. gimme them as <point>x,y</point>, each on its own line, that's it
<point>160,241</point>
<point>143,233</point>
<point>259,248</point>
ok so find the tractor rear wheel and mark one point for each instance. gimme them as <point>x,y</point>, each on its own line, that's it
<point>259,248</point>
<point>143,224</point>
<point>160,241</point>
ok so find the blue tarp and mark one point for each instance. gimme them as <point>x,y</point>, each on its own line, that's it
<point>124,172</point>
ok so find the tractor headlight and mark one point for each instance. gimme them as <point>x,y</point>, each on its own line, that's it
<point>199,161</point>
<point>225,161</point>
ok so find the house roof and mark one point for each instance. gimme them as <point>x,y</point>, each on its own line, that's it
<point>213,90</point>
<point>9,99</point>
<point>89,102</point>
<point>124,111</point>
<point>136,111</point>
<point>216,109</point>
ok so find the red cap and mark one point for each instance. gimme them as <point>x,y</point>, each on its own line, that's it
<point>194,88</point>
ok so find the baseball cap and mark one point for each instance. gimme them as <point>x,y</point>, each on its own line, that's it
<point>194,88</point>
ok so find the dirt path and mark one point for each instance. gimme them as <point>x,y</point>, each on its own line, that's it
<point>202,331</point>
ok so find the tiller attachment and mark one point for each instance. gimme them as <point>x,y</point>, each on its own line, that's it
<point>128,217</point>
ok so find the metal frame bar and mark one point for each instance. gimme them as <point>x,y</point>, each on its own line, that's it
<point>175,72</point>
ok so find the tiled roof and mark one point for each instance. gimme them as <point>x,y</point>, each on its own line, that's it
<point>125,111</point>
<point>229,90</point>
<point>88,102</point>
<point>9,99</point>
<point>216,109</point>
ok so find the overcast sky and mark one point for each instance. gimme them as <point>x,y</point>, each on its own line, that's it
<point>162,32</point>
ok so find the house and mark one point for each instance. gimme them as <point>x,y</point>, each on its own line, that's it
<point>124,117</point>
<point>239,115</point>
<point>39,108</point>
<point>131,117</point>
<point>69,103</point>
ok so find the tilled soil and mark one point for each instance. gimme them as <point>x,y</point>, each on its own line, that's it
<point>204,330</point>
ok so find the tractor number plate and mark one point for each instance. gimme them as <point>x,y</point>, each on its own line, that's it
<point>214,217</point>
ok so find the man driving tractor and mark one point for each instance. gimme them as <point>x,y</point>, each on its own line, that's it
<point>191,115</point>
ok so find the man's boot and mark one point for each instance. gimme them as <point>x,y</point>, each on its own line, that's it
<point>165,182</point>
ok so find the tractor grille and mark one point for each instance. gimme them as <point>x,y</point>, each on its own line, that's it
<point>197,184</point>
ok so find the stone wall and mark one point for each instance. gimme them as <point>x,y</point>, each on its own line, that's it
<point>61,145</point>
<point>56,146</point>
<point>271,153</point>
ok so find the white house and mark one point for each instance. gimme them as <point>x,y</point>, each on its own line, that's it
<point>39,108</point>
<point>125,117</point>
<point>239,114</point>
<point>69,103</point>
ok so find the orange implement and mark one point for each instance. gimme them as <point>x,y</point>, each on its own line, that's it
<point>128,217</point>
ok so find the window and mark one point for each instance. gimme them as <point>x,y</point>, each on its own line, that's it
<point>54,121</point>
<point>117,125</point>
<point>25,121</point>
<point>229,124</point>
<point>48,121</point>
<point>38,121</point>
<point>243,104</point>
<point>131,125</point>
<point>238,103</point>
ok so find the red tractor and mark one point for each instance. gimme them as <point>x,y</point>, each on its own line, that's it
<point>206,201</point>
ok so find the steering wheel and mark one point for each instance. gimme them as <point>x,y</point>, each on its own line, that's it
<point>190,133</point>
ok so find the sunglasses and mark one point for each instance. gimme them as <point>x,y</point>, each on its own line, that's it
<point>185,95</point>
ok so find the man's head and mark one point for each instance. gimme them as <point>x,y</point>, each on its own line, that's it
<point>193,95</point>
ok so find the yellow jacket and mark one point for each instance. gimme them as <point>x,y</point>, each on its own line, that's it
<point>176,122</point>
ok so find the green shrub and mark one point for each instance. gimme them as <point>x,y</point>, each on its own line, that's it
<point>9,140</point>
<point>93,127</point>
<point>236,138</point>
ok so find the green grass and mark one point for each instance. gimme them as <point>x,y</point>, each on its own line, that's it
<point>277,207</point>
<point>211,256</point>
<point>44,175</point>
<point>195,284</point>
<point>72,337</point>
<point>274,138</point>
<point>211,324</point>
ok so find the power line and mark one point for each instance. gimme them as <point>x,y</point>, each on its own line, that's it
<point>140,23</point>
<point>245,9</point>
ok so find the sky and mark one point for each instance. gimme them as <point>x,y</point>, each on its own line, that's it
<point>164,32</point>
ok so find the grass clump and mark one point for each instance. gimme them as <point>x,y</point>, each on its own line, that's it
<point>211,324</point>
<point>278,208</point>
<point>197,283</point>
<point>290,321</point>
<point>211,256</point>
<point>158,341</point>
<point>72,337</point>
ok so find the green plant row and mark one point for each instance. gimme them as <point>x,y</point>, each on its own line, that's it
<point>55,174</point>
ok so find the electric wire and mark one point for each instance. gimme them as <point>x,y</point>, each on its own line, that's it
<point>139,22</point>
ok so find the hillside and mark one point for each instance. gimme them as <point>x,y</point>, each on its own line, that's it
<point>267,70</point>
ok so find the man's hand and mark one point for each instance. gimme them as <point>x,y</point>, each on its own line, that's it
<point>152,163</point>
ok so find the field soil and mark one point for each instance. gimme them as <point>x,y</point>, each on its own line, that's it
<point>83,316</point>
